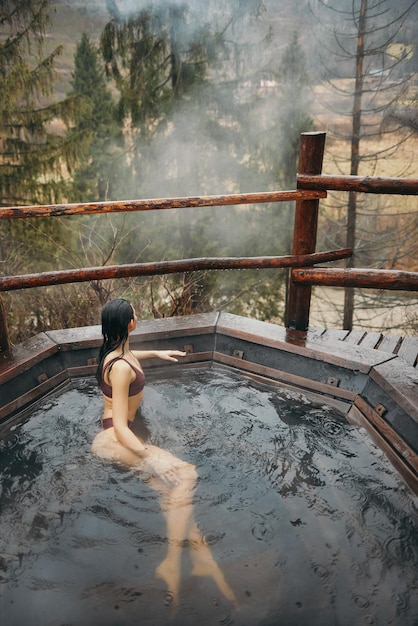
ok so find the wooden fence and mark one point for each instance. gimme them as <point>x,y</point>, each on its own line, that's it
<point>311,187</point>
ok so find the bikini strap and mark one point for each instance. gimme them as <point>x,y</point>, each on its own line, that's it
<point>110,363</point>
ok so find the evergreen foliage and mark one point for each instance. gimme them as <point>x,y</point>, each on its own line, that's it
<point>193,114</point>
<point>32,157</point>
<point>294,106</point>
<point>96,172</point>
<point>35,160</point>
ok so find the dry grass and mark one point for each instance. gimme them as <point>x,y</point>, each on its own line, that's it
<point>400,163</point>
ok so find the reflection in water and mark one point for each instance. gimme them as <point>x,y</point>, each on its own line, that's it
<point>294,509</point>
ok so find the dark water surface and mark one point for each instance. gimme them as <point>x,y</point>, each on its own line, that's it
<point>305,516</point>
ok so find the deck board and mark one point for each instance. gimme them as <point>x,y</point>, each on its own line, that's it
<point>390,343</point>
<point>335,334</point>
<point>404,347</point>
<point>408,350</point>
<point>355,337</point>
<point>371,340</point>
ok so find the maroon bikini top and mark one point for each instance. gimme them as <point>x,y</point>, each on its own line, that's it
<point>136,385</point>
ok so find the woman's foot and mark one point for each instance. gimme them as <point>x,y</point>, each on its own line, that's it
<point>205,565</point>
<point>171,576</point>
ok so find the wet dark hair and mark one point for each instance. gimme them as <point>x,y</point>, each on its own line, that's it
<point>116,316</point>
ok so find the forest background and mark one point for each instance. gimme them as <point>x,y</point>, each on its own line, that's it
<point>114,100</point>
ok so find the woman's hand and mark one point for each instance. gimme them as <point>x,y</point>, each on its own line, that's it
<point>164,465</point>
<point>165,355</point>
<point>169,355</point>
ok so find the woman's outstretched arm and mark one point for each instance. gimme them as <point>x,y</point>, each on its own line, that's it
<point>165,355</point>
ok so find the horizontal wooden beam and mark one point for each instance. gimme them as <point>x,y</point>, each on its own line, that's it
<point>27,281</point>
<point>364,184</point>
<point>57,210</point>
<point>361,278</point>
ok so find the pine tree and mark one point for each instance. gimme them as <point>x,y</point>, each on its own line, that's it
<point>192,104</point>
<point>293,105</point>
<point>32,158</point>
<point>163,64</point>
<point>94,175</point>
<point>34,161</point>
<point>155,63</point>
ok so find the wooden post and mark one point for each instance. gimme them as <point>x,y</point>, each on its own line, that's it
<point>4,332</point>
<point>311,155</point>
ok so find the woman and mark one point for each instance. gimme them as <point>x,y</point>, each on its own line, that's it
<point>122,381</point>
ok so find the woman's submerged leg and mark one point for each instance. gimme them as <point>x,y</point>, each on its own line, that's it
<point>182,531</point>
<point>205,565</point>
<point>175,482</point>
<point>177,507</point>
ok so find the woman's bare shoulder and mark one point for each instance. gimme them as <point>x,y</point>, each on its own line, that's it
<point>119,366</point>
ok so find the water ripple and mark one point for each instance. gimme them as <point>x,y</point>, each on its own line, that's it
<point>401,550</point>
<point>45,584</point>
<point>320,570</point>
<point>141,536</point>
<point>402,602</point>
<point>212,537</point>
<point>361,601</point>
<point>262,531</point>
<point>112,591</point>
<point>332,428</point>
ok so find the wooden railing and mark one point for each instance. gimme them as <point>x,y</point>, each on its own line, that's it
<point>306,223</point>
<point>311,187</point>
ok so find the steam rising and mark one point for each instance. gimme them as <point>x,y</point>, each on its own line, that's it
<point>221,136</point>
<point>215,135</point>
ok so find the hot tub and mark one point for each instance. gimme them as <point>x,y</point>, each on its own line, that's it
<point>307,518</point>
